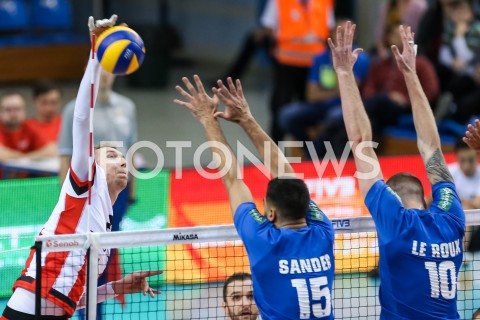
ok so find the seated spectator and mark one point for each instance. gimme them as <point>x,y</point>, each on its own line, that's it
<point>323,98</point>
<point>18,139</point>
<point>47,102</point>
<point>466,175</point>
<point>385,92</point>
<point>238,300</point>
<point>394,13</point>
<point>459,56</point>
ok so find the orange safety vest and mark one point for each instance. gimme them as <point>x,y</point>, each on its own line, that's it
<point>302,30</point>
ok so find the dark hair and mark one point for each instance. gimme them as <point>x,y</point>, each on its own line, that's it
<point>290,196</point>
<point>460,145</point>
<point>44,86</point>
<point>476,314</point>
<point>240,276</point>
<point>407,186</point>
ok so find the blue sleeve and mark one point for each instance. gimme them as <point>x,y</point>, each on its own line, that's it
<point>254,230</point>
<point>360,69</point>
<point>387,211</point>
<point>446,200</point>
<point>315,216</point>
<point>314,75</point>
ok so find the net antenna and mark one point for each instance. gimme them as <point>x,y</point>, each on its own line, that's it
<point>92,253</point>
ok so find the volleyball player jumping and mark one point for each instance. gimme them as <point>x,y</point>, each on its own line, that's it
<point>420,249</point>
<point>64,273</point>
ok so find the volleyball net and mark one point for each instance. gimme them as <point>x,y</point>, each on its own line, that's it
<point>197,260</point>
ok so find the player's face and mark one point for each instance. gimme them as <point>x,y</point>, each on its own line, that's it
<point>240,304</point>
<point>467,160</point>
<point>113,163</point>
<point>12,111</point>
<point>48,104</point>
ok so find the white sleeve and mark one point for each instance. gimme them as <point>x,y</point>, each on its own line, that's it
<point>445,56</point>
<point>269,18</point>
<point>104,293</point>
<point>462,50</point>
<point>81,124</point>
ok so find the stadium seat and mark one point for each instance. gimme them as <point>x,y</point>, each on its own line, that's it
<point>13,16</point>
<point>51,15</point>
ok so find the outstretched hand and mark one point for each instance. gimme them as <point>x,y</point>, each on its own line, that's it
<point>472,136</point>
<point>236,106</point>
<point>407,59</point>
<point>200,104</point>
<point>343,56</point>
<point>97,27</point>
<point>136,282</point>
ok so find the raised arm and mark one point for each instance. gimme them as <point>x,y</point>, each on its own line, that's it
<point>237,110</point>
<point>428,140</point>
<point>357,124</point>
<point>81,114</point>
<point>203,109</point>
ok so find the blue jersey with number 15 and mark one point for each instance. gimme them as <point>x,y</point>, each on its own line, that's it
<point>292,270</point>
<point>420,253</point>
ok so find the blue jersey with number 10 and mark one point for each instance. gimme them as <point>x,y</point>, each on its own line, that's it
<point>420,253</point>
<point>292,270</point>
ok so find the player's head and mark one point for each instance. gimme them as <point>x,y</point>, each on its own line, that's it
<point>113,163</point>
<point>47,100</point>
<point>467,158</point>
<point>12,110</point>
<point>476,315</point>
<point>409,188</point>
<point>238,300</point>
<point>287,200</point>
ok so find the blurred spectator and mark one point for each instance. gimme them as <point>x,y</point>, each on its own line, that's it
<point>300,29</point>
<point>258,38</point>
<point>460,58</point>
<point>238,302</point>
<point>121,126</point>
<point>322,99</point>
<point>466,175</point>
<point>385,92</point>
<point>18,139</point>
<point>396,12</point>
<point>47,102</point>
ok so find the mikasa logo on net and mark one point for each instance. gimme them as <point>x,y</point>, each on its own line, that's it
<point>61,244</point>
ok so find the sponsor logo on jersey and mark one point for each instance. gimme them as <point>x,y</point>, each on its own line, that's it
<point>315,212</point>
<point>341,224</point>
<point>180,236</point>
<point>446,199</point>
<point>395,194</point>
<point>257,216</point>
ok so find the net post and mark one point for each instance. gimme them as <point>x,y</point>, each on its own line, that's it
<point>92,279</point>
<point>38,280</point>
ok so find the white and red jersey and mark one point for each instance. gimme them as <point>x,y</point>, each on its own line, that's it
<point>64,273</point>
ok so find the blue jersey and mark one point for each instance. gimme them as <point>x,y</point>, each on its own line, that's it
<point>292,270</point>
<point>420,253</point>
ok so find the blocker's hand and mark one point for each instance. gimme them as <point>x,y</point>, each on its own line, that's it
<point>101,25</point>
<point>201,105</point>
<point>407,59</point>
<point>342,54</point>
<point>472,136</point>
<point>236,106</point>
<point>136,282</point>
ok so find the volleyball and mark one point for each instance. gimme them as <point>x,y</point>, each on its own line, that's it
<point>120,50</point>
